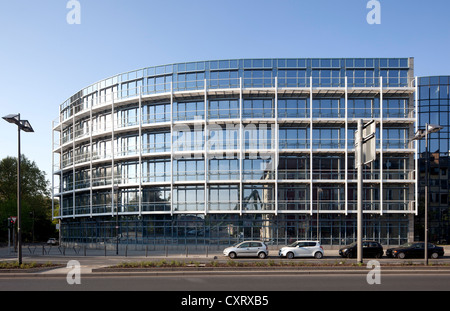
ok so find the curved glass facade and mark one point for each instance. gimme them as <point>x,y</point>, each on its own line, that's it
<point>218,151</point>
<point>434,108</point>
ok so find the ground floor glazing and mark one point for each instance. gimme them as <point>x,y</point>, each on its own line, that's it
<point>225,229</point>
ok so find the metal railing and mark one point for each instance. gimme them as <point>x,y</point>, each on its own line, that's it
<point>121,91</point>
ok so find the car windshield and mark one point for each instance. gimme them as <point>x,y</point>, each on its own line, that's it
<point>293,244</point>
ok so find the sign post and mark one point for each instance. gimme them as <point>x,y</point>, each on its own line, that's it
<point>365,152</point>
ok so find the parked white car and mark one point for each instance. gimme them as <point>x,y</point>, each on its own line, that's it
<point>52,241</point>
<point>302,249</point>
<point>247,249</point>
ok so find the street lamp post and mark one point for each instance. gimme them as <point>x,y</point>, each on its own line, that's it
<point>319,193</point>
<point>25,126</point>
<point>116,193</point>
<point>429,128</point>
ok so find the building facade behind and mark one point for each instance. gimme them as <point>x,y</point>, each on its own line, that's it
<point>215,152</point>
<point>434,109</point>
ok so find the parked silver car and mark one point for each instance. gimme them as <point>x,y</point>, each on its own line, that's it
<point>247,249</point>
<point>302,249</point>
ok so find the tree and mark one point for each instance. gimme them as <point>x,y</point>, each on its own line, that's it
<point>35,198</point>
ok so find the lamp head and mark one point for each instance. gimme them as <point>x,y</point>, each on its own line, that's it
<point>429,128</point>
<point>419,135</point>
<point>433,128</point>
<point>24,125</point>
<point>12,118</point>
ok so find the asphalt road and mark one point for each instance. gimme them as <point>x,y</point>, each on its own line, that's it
<point>235,283</point>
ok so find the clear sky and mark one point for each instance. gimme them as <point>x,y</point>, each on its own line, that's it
<point>44,60</point>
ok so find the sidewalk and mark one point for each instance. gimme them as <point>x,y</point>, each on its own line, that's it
<point>45,253</point>
<point>190,252</point>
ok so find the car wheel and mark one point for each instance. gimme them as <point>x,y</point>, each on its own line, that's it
<point>262,255</point>
<point>318,255</point>
<point>232,255</point>
<point>379,255</point>
<point>349,255</point>
<point>434,255</point>
<point>290,255</point>
<point>401,255</point>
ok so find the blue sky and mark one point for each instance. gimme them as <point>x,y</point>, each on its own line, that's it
<point>44,60</point>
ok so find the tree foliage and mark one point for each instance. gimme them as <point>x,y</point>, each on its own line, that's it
<point>35,200</point>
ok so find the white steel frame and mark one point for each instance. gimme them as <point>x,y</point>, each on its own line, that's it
<point>275,92</point>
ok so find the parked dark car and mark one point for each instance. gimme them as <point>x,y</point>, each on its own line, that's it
<point>370,249</point>
<point>415,250</point>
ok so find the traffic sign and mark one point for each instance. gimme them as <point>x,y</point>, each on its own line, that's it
<point>368,144</point>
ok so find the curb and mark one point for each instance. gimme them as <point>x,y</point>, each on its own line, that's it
<point>108,272</point>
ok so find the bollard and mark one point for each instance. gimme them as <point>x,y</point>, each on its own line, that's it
<point>146,250</point>
<point>206,251</point>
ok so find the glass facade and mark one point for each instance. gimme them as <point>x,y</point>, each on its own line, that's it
<point>215,152</point>
<point>434,108</point>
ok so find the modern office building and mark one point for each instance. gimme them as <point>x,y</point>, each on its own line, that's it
<point>434,108</point>
<point>213,152</point>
